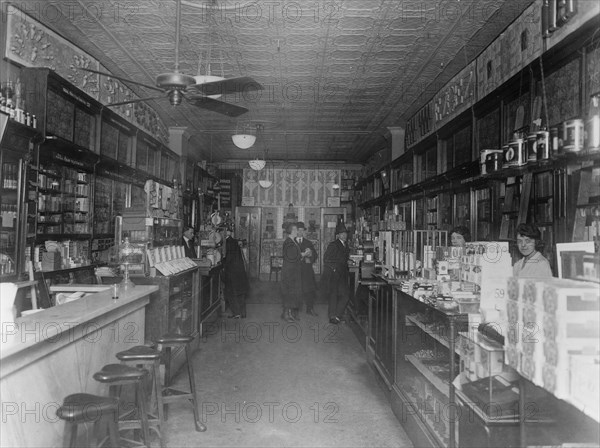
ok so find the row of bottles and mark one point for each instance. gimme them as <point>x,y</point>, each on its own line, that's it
<point>13,103</point>
<point>10,176</point>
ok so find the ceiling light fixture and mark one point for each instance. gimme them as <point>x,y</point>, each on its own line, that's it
<point>257,164</point>
<point>265,183</point>
<point>243,141</point>
<point>243,137</point>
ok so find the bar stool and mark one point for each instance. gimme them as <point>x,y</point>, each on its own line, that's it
<point>142,356</point>
<point>118,375</point>
<point>86,408</point>
<point>170,394</point>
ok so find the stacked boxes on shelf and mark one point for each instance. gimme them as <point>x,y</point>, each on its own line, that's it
<point>553,336</point>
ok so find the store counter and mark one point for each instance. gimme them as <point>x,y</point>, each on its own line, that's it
<point>50,354</point>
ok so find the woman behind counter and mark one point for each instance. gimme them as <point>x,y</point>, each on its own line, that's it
<point>459,236</point>
<point>533,263</point>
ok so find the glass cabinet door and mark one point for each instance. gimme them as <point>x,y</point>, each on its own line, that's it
<point>181,312</point>
<point>10,210</point>
<point>483,220</point>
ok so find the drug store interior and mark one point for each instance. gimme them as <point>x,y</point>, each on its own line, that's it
<point>457,143</point>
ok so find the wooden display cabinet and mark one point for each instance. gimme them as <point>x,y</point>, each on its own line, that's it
<point>173,309</point>
<point>211,295</point>
<point>62,110</point>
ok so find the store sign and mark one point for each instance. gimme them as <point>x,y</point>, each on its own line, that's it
<point>456,97</point>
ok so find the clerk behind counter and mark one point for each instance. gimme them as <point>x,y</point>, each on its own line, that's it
<point>533,264</point>
<point>459,236</point>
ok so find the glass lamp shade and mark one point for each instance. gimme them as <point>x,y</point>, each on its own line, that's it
<point>265,183</point>
<point>243,141</point>
<point>257,164</point>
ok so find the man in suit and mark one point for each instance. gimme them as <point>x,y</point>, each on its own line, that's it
<point>335,274</point>
<point>307,274</point>
<point>188,242</point>
<point>234,276</point>
<point>291,282</point>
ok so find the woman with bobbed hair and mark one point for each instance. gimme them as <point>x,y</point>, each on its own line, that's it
<point>533,264</point>
<point>459,236</point>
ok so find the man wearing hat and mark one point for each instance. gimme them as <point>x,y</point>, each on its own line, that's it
<point>335,274</point>
<point>307,274</point>
<point>291,277</point>
<point>234,275</point>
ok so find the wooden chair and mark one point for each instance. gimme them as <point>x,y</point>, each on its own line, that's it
<point>276,265</point>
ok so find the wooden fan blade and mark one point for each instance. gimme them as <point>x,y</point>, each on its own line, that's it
<point>219,107</point>
<point>136,100</point>
<point>231,85</point>
<point>123,79</point>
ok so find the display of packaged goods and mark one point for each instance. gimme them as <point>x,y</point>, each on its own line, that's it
<point>549,322</point>
<point>481,357</point>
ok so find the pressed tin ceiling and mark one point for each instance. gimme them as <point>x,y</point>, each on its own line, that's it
<point>336,74</point>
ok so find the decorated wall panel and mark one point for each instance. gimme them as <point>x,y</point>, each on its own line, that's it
<point>301,187</point>
<point>29,43</point>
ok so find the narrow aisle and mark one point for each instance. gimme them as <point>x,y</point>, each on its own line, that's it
<point>266,383</point>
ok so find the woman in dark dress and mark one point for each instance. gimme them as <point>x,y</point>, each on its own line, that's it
<point>234,276</point>
<point>291,274</point>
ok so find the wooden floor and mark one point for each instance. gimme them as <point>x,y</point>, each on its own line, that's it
<point>266,383</point>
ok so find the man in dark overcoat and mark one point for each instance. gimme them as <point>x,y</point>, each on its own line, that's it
<point>234,276</point>
<point>291,277</point>
<point>309,256</point>
<point>335,280</point>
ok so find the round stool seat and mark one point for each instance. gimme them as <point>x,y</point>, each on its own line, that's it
<point>139,353</point>
<point>86,407</point>
<point>111,373</point>
<point>174,338</point>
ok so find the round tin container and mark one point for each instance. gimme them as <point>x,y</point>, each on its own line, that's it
<point>531,152</point>
<point>515,154</point>
<point>592,133</point>
<point>573,135</point>
<point>543,145</point>
<point>554,140</point>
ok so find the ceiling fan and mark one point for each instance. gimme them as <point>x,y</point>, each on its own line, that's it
<point>201,91</point>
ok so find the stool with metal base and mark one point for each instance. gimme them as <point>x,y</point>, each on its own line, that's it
<point>170,394</point>
<point>85,408</point>
<point>142,356</point>
<point>118,375</point>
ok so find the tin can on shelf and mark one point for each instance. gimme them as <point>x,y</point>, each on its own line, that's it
<point>514,155</point>
<point>531,150</point>
<point>493,161</point>
<point>543,145</point>
<point>555,140</point>
<point>573,135</point>
<point>592,133</point>
<point>483,157</point>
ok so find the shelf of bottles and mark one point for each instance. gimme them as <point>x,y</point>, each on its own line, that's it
<point>9,212</point>
<point>61,197</point>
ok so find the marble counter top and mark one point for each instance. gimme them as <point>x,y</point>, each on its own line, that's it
<point>38,334</point>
